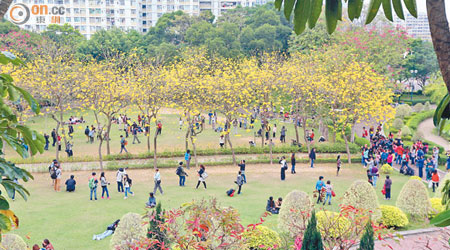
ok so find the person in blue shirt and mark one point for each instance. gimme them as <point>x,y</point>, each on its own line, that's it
<point>420,164</point>
<point>187,158</point>
<point>429,169</point>
<point>319,185</point>
<point>151,201</point>
<point>447,165</point>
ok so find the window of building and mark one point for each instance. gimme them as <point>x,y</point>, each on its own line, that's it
<point>133,11</point>
<point>122,11</point>
<point>76,19</point>
<point>122,2</point>
<point>67,10</point>
<point>144,6</point>
<point>83,11</point>
<point>68,20</point>
<point>144,22</point>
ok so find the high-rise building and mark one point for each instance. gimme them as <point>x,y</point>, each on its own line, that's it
<point>89,16</point>
<point>416,27</point>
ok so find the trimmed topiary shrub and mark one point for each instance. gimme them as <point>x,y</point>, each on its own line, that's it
<point>406,131</point>
<point>129,231</point>
<point>262,238</point>
<point>294,213</point>
<point>386,169</point>
<point>415,178</point>
<point>413,199</point>
<point>332,224</point>
<point>361,141</point>
<point>398,123</point>
<point>402,111</point>
<point>393,217</point>
<point>13,242</point>
<point>362,195</point>
<point>418,107</point>
<point>436,207</point>
<point>427,106</point>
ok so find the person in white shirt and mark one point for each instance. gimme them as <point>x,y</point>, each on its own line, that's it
<point>157,179</point>
<point>119,178</point>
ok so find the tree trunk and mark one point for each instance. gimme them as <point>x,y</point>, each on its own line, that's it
<point>270,147</point>
<point>108,132</point>
<point>63,132</point>
<point>4,6</point>
<point>195,151</point>
<point>440,35</point>
<point>352,136</point>
<point>148,136</point>
<point>347,148</point>
<point>304,135</point>
<point>100,156</point>
<point>227,138</point>
<point>297,136</point>
<point>57,133</point>
<point>155,157</point>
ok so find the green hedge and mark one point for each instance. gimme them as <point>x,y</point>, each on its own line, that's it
<point>266,160</point>
<point>414,121</point>
<point>323,147</point>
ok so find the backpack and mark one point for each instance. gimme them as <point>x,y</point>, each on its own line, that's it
<point>52,172</point>
<point>130,181</point>
<point>93,183</point>
<point>204,175</point>
<point>178,172</point>
<point>230,192</point>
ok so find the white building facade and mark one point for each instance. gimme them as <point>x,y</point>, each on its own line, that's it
<point>416,27</point>
<point>90,16</point>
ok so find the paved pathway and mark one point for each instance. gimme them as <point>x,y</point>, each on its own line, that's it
<point>426,127</point>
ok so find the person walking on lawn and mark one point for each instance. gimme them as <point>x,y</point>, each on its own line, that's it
<point>283,168</point>
<point>53,134</point>
<point>312,157</point>
<point>93,185</point>
<point>135,132</point>
<point>319,185</point>
<point>187,158</point>
<point>338,163</point>
<point>127,184</point>
<point>58,173</point>
<point>329,190</point>
<point>242,169</point>
<point>239,181</point>
<point>181,174</point>
<point>435,180</point>
<point>157,179</point>
<point>202,175</point>
<point>123,144</point>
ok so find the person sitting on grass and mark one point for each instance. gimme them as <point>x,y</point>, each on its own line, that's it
<point>70,184</point>
<point>278,204</point>
<point>47,245</point>
<point>151,201</point>
<point>270,207</point>
<point>109,231</point>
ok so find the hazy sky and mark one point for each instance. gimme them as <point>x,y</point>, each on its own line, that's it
<point>421,5</point>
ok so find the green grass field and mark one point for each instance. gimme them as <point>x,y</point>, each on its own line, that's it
<point>69,219</point>
<point>172,138</point>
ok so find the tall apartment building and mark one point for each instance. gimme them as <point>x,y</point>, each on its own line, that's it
<point>416,27</point>
<point>89,16</point>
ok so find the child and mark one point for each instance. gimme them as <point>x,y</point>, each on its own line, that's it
<point>151,201</point>
<point>338,164</point>
<point>329,190</point>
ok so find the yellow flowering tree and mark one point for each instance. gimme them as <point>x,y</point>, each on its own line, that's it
<point>52,76</point>
<point>104,90</point>
<point>150,93</point>
<point>353,92</point>
<point>189,82</point>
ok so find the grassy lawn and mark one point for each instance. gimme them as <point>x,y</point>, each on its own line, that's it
<point>69,219</point>
<point>172,138</point>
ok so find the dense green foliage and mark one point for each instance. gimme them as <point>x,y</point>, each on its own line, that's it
<point>367,242</point>
<point>312,240</point>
